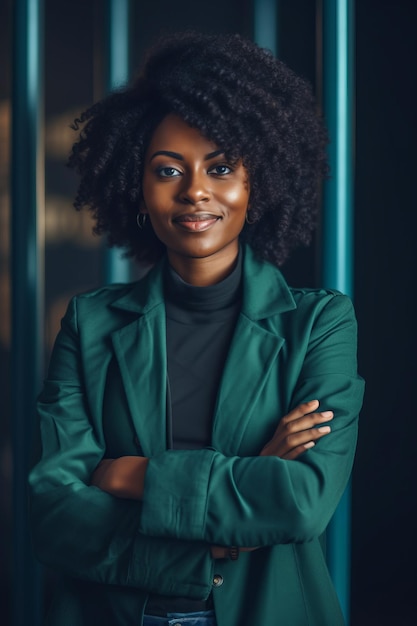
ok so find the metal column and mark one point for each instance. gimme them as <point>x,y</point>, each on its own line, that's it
<point>117,71</point>
<point>265,16</point>
<point>27,236</point>
<point>337,233</point>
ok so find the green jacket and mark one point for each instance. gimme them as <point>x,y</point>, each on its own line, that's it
<point>106,389</point>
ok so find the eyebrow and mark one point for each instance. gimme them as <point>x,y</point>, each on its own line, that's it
<point>179,157</point>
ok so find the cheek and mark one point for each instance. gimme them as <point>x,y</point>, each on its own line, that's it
<point>236,196</point>
<point>154,197</point>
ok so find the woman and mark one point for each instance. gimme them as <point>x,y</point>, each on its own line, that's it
<point>188,467</point>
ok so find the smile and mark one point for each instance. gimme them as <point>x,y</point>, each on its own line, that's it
<point>196,222</point>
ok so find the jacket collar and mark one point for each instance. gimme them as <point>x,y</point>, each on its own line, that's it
<point>265,291</point>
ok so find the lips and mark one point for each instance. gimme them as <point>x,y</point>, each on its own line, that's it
<point>196,222</point>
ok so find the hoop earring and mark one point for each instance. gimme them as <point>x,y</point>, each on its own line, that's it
<point>248,220</point>
<point>141,220</point>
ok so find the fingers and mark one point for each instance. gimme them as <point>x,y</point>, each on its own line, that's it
<point>300,410</point>
<point>306,422</point>
<point>289,446</point>
<point>304,416</point>
<point>300,442</point>
<point>298,431</point>
<point>220,552</point>
<point>249,549</point>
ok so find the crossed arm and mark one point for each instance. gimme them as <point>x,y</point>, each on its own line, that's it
<point>296,432</point>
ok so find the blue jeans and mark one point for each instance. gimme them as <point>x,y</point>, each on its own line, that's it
<point>201,618</point>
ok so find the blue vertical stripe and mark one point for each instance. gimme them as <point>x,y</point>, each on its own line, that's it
<point>117,268</point>
<point>27,281</point>
<point>339,113</point>
<point>265,24</point>
<point>118,38</point>
<point>337,241</point>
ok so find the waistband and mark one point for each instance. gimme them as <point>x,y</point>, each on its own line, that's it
<point>198,618</point>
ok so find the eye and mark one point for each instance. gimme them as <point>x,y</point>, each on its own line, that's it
<point>168,172</point>
<point>220,170</point>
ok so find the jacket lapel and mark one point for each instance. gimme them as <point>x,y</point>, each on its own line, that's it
<point>253,351</point>
<point>252,354</point>
<point>140,349</point>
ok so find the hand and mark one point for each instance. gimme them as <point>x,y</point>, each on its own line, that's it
<point>123,477</point>
<point>97,479</point>
<point>297,432</point>
<point>220,552</point>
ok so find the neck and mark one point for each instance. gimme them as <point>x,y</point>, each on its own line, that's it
<point>202,272</point>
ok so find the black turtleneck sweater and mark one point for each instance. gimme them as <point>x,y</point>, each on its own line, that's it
<point>199,326</point>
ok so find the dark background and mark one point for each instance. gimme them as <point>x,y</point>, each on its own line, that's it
<point>384,517</point>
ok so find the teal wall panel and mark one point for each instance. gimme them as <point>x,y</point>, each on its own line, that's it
<point>337,226</point>
<point>117,71</point>
<point>27,288</point>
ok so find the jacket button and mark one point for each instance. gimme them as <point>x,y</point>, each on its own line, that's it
<point>217,580</point>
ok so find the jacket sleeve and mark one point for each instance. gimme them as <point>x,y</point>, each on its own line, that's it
<point>81,530</point>
<point>258,501</point>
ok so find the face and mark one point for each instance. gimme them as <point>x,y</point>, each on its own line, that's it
<point>195,199</point>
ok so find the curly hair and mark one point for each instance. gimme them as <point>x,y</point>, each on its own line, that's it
<point>238,96</point>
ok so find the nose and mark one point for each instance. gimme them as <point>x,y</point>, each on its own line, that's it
<point>194,188</point>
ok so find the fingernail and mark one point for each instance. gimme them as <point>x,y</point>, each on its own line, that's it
<point>310,444</point>
<point>324,429</point>
<point>327,414</point>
